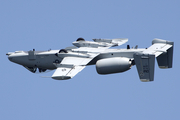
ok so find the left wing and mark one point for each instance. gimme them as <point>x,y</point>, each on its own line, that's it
<point>77,59</point>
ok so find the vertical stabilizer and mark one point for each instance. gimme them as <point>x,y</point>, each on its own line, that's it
<point>165,60</point>
<point>145,66</point>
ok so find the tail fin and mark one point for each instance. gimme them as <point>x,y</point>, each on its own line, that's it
<point>165,60</point>
<point>145,66</point>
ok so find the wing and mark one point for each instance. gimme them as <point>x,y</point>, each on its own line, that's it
<point>69,67</point>
<point>112,42</point>
<point>76,59</point>
<point>98,46</point>
<point>101,43</point>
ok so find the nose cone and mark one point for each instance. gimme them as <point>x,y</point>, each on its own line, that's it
<point>18,57</point>
<point>9,56</point>
<point>12,59</point>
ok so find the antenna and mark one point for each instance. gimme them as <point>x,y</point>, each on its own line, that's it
<point>128,47</point>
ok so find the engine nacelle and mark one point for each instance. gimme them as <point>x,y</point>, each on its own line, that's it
<point>113,65</point>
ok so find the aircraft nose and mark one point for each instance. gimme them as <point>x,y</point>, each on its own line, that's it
<point>15,59</point>
<point>11,58</point>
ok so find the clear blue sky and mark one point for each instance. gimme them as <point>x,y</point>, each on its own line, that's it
<point>44,24</point>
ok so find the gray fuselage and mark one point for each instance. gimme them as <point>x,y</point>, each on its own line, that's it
<point>45,59</point>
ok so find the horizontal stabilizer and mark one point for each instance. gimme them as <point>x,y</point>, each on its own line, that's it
<point>163,50</point>
<point>145,66</point>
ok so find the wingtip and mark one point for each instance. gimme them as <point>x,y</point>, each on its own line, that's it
<point>61,77</point>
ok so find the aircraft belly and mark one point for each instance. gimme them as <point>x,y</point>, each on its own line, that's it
<point>46,61</point>
<point>41,61</point>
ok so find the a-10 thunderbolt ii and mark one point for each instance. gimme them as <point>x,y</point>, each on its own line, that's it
<point>71,60</point>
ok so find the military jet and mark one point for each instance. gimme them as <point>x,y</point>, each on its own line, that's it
<point>71,60</point>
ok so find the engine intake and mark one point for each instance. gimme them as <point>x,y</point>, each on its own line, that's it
<point>113,65</point>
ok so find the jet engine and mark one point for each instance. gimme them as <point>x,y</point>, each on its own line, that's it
<point>113,65</point>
